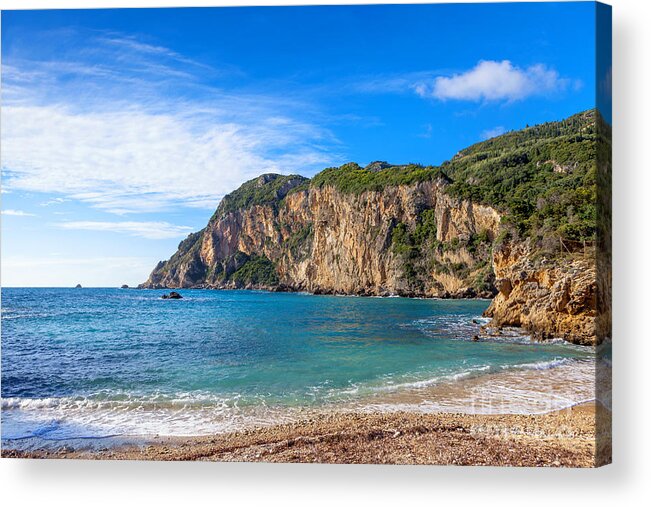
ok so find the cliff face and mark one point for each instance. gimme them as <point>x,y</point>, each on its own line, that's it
<point>324,241</point>
<point>550,299</point>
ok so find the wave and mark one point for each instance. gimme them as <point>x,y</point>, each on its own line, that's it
<point>540,365</point>
<point>532,388</point>
<point>476,389</point>
<point>68,418</point>
<point>122,400</point>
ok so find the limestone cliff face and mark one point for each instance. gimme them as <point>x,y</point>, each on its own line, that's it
<point>551,299</point>
<point>324,241</point>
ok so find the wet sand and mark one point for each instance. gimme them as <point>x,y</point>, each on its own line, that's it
<point>564,438</point>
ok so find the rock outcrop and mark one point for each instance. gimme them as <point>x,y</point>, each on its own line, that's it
<point>172,295</point>
<point>549,298</point>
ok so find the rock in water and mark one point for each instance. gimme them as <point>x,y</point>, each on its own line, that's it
<point>125,286</point>
<point>172,295</point>
<point>78,286</point>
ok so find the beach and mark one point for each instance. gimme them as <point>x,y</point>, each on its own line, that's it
<point>343,380</point>
<point>564,438</point>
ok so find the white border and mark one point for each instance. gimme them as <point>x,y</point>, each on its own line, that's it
<point>626,482</point>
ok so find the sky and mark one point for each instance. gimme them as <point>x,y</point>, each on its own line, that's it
<point>123,128</point>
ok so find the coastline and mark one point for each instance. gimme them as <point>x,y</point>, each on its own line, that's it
<point>398,428</point>
<point>564,438</point>
<point>489,411</point>
<point>332,293</point>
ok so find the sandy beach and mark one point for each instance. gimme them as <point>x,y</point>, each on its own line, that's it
<point>564,438</point>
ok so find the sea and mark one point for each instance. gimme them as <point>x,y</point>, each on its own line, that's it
<point>99,365</point>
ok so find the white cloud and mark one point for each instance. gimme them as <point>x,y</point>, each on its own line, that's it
<point>389,83</point>
<point>495,81</point>
<point>17,213</point>
<point>494,132</point>
<point>135,160</point>
<point>136,129</point>
<point>55,200</point>
<point>148,230</point>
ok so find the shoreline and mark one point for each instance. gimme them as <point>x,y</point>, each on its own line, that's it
<point>284,290</point>
<point>538,390</point>
<point>369,433</point>
<point>563,438</point>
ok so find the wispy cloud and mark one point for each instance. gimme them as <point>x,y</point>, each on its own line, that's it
<point>427,133</point>
<point>136,160</point>
<point>403,83</point>
<point>147,230</point>
<point>132,45</point>
<point>495,81</point>
<point>129,126</point>
<point>54,201</point>
<point>494,132</point>
<point>17,213</point>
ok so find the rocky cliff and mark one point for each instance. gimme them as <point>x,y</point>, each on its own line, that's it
<point>487,223</point>
<point>550,299</point>
<point>407,240</point>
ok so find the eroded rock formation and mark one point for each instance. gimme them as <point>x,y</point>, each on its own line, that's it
<point>323,241</point>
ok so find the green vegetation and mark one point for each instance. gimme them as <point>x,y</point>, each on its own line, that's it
<point>353,179</point>
<point>299,242</point>
<point>215,272</point>
<point>265,189</point>
<point>477,240</point>
<point>410,243</point>
<point>188,249</point>
<point>412,246</point>
<point>484,278</point>
<point>257,270</point>
<point>421,253</point>
<point>543,177</point>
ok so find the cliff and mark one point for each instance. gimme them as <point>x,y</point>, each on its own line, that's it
<point>512,217</point>
<point>550,299</point>
<point>411,240</point>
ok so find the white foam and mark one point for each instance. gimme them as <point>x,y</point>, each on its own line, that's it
<point>556,385</point>
<point>539,365</point>
<point>182,415</point>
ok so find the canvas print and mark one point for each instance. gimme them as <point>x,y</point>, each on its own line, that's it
<point>321,234</point>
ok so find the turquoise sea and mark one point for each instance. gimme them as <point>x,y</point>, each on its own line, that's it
<point>100,363</point>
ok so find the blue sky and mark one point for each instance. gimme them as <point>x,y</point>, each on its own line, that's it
<point>122,129</point>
